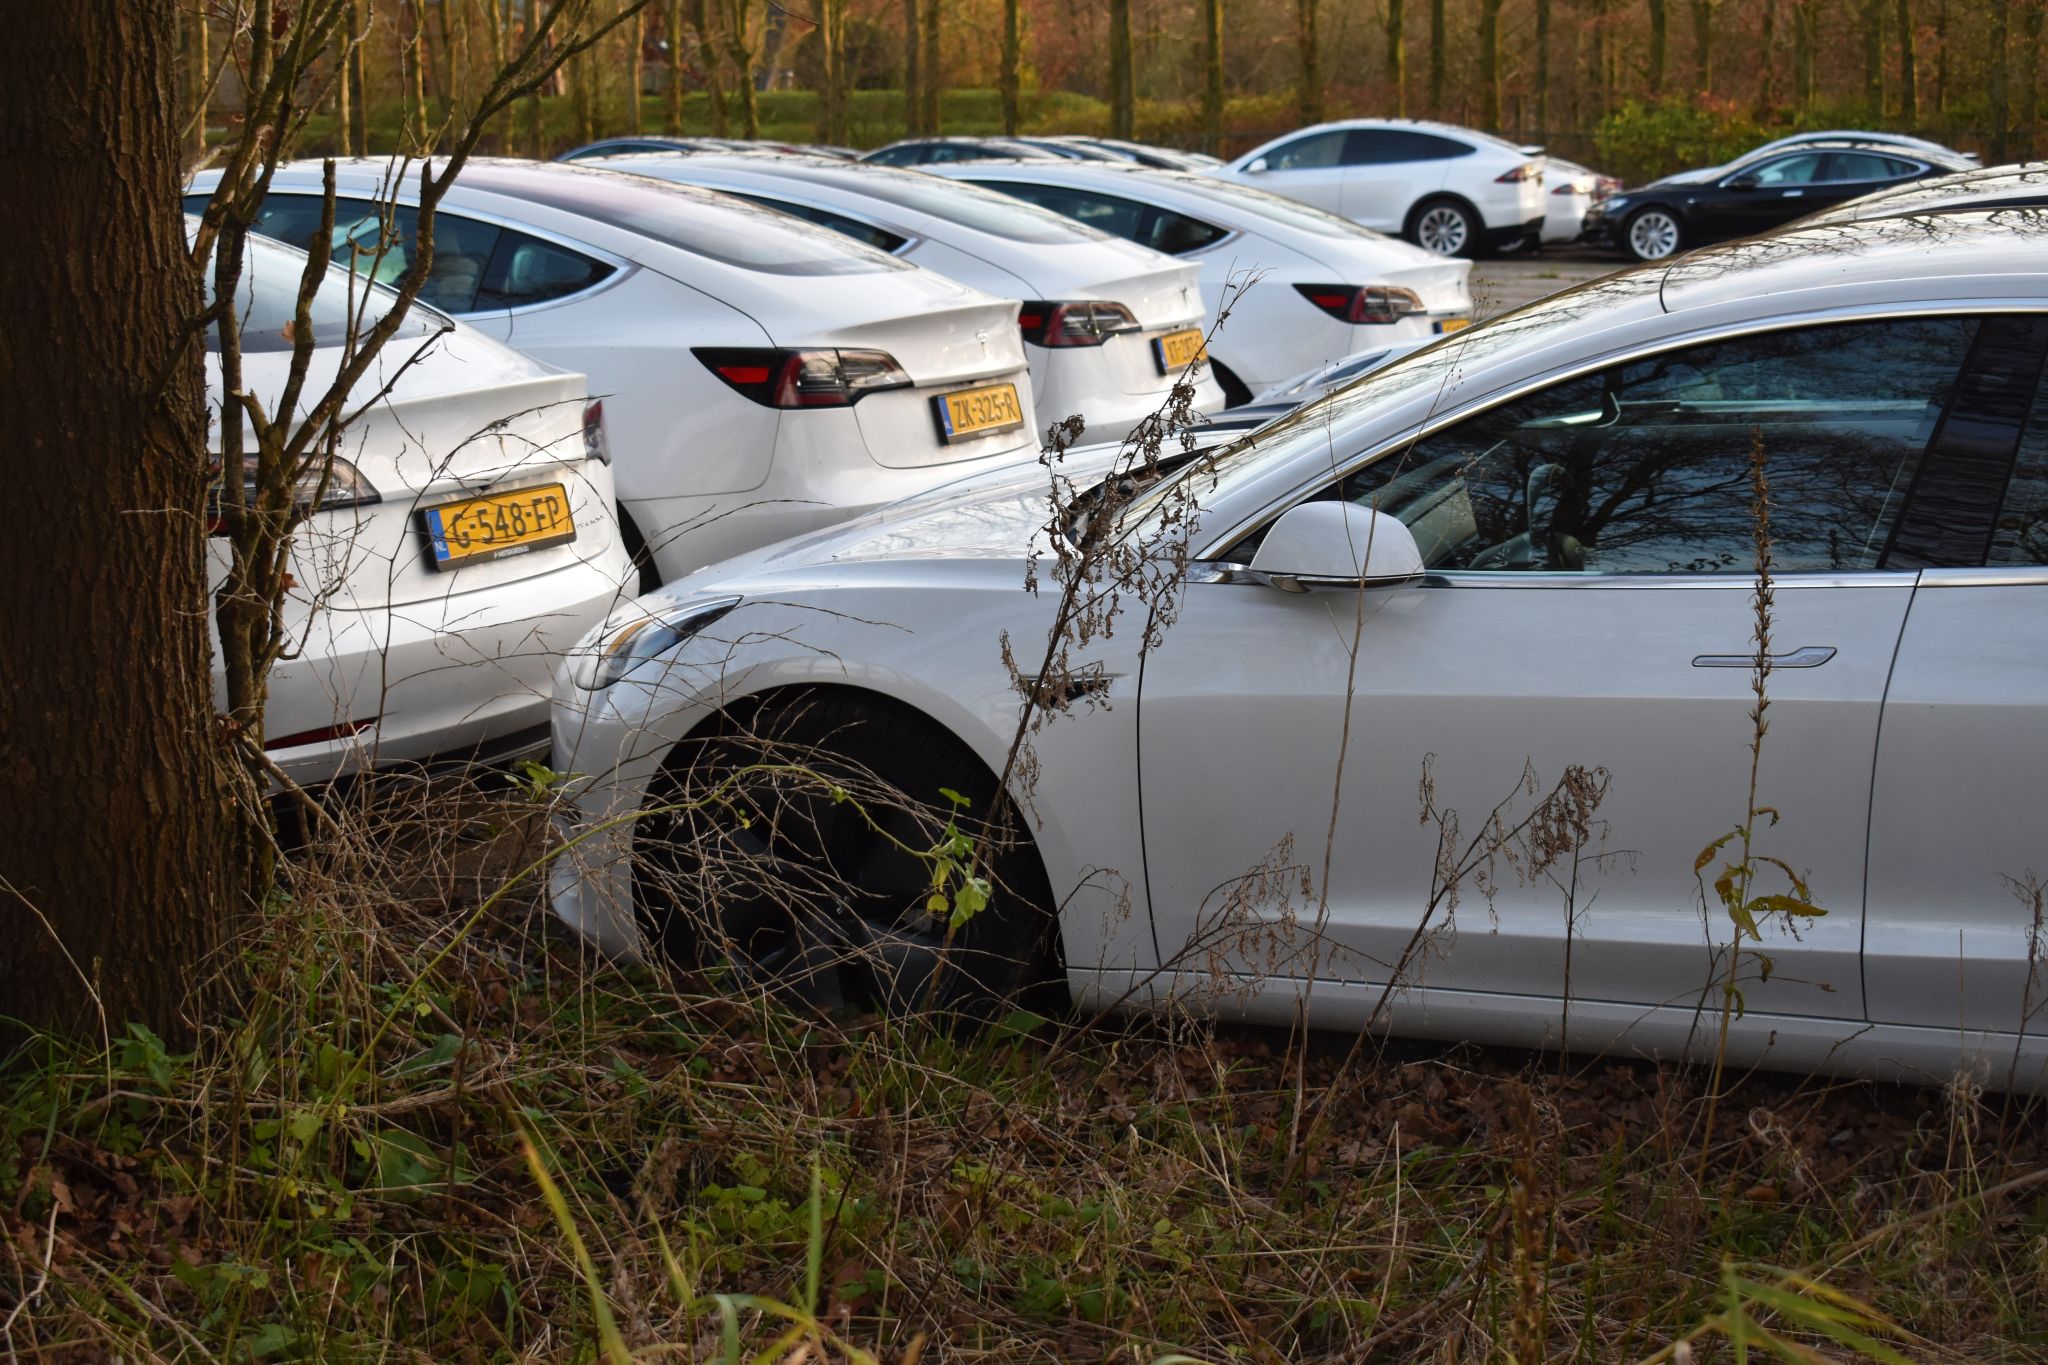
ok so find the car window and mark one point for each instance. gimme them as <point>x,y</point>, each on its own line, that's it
<point>1644,468</point>
<point>1149,225</point>
<point>881,239</point>
<point>958,201</point>
<point>1379,146</point>
<point>462,246</point>
<point>1802,169</point>
<point>2020,536</point>
<point>267,300</point>
<point>1313,152</point>
<point>1867,166</point>
<point>1287,212</point>
<point>525,270</point>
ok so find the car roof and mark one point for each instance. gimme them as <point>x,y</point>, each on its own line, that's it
<point>1946,160</point>
<point>1987,187</point>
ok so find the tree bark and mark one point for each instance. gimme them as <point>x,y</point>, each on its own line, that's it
<point>1909,81</point>
<point>1767,76</point>
<point>122,866</point>
<point>743,48</point>
<point>1806,38</point>
<point>1543,65</point>
<point>198,73</point>
<point>1122,88</point>
<point>635,31</point>
<point>1308,70</point>
<point>1397,55</point>
<point>412,65</point>
<point>1873,57</point>
<point>1011,78</point>
<point>1941,58</point>
<point>2030,85</point>
<point>707,57</point>
<point>913,75</point>
<point>673,23</point>
<point>1489,65</point>
<point>357,141</point>
<point>1657,48</point>
<point>929,66</point>
<point>1436,58</point>
<point>1212,85</point>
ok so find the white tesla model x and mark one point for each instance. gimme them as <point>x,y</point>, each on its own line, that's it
<point>1513,564</point>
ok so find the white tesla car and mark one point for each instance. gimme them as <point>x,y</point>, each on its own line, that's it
<point>761,376</point>
<point>1109,326</point>
<point>1449,190</point>
<point>1537,532</point>
<point>1570,192</point>
<point>1324,287</point>
<point>464,539</point>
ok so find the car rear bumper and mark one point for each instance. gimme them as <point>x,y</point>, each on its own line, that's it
<point>1514,234</point>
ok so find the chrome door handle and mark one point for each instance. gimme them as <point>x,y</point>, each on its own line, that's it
<point>1795,194</point>
<point>1806,656</point>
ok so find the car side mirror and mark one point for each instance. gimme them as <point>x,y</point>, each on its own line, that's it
<point>1336,544</point>
<point>1258,166</point>
<point>1744,182</point>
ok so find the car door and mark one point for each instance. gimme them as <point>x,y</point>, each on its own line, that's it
<point>1309,168</point>
<point>1761,196</point>
<point>1392,170</point>
<point>1315,811</point>
<point>1959,824</point>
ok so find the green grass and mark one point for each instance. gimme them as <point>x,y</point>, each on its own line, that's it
<point>415,1140</point>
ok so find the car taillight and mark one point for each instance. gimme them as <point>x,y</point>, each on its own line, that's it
<point>1575,187</point>
<point>1082,322</point>
<point>1362,303</point>
<point>346,487</point>
<point>1528,170</point>
<point>595,446</point>
<point>804,379</point>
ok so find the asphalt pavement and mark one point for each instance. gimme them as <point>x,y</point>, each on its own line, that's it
<point>1507,282</point>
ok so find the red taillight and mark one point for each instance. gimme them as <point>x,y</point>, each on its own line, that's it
<point>595,446</point>
<point>1081,322</point>
<point>804,379</point>
<point>1528,170</point>
<point>1374,304</point>
<point>325,734</point>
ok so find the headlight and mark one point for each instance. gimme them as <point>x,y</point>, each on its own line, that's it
<point>625,646</point>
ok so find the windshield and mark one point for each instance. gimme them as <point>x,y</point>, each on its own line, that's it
<point>1288,212</point>
<point>998,215</point>
<point>721,228</point>
<point>1430,370</point>
<point>267,296</point>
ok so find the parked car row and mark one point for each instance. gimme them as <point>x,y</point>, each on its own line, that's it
<point>812,461</point>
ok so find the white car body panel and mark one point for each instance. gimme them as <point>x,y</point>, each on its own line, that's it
<point>1113,386</point>
<point>1243,712</point>
<point>703,471</point>
<point>1272,332</point>
<point>1568,190</point>
<point>430,662</point>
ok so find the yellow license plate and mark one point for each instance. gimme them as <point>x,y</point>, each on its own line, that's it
<point>1452,325</point>
<point>976,412</point>
<point>511,523</point>
<point>1178,350</point>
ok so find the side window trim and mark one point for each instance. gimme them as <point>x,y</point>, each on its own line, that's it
<point>1219,549</point>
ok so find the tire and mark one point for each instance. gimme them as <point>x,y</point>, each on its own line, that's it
<point>1446,227</point>
<point>789,890</point>
<point>1652,234</point>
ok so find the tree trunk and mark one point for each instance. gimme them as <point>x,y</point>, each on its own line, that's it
<point>707,57</point>
<point>1996,86</point>
<point>536,118</point>
<point>124,862</point>
<point>913,75</point>
<point>1436,58</point>
<point>673,24</point>
<point>1657,48</point>
<point>1603,64</point>
<point>1308,70</point>
<point>635,31</point>
<point>1543,66</point>
<point>1489,65</point>
<point>583,95</point>
<point>1806,37</point>
<point>1873,57</point>
<point>1122,90</point>
<point>1767,79</point>
<point>412,66</point>
<point>1212,85</point>
<point>929,66</point>
<point>2030,85</point>
<point>1397,55</point>
<point>1703,46</point>
<point>357,140</point>
<point>1941,58</point>
<point>1909,81</point>
<point>743,50</point>
<point>1012,76</point>
<point>198,71</point>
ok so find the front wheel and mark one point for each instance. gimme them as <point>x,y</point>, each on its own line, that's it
<point>1445,227</point>
<point>1653,235</point>
<point>797,854</point>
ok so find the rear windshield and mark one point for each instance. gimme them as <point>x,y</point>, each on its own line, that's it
<point>1289,212</point>
<point>998,215</point>
<point>718,227</point>
<point>267,297</point>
